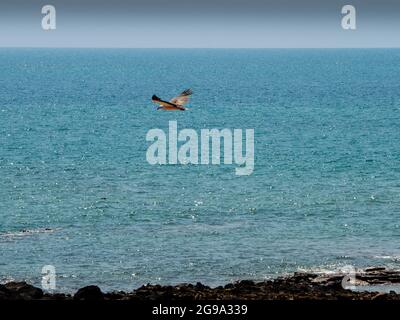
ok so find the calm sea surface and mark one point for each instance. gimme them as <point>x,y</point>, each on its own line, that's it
<point>77,192</point>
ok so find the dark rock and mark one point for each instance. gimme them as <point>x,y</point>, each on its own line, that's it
<point>380,296</point>
<point>115,295</point>
<point>5,294</point>
<point>200,286</point>
<point>89,293</point>
<point>56,296</point>
<point>373,269</point>
<point>300,286</point>
<point>245,285</point>
<point>24,291</point>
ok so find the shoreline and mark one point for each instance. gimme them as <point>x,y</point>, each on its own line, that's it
<point>298,286</point>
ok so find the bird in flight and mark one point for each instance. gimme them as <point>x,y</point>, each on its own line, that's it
<point>176,103</point>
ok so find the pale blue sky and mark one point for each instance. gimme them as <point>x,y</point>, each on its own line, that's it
<point>204,24</point>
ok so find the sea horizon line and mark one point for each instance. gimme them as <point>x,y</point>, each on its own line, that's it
<point>204,48</point>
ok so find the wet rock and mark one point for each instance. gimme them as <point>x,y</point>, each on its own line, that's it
<point>116,295</point>
<point>22,290</point>
<point>300,286</point>
<point>89,293</point>
<point>5,294</point>
<point>373,269</point>
<point>200,286</point>
<point>245,284</point>
<point>56,296</point>
<point>380,296</point>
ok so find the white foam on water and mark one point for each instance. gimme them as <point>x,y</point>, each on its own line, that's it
<point>25,232</point>
<point>388,257</point>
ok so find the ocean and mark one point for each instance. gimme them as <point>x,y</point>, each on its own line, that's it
<point>76,191</point>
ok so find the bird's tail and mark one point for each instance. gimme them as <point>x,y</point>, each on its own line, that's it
<point>155,98</point>
<point>187,92</point>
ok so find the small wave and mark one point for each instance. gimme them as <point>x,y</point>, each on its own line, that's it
<point>388,257</point>
<point>320,270</point>
<point>26,232</point>
<point>6,279</point>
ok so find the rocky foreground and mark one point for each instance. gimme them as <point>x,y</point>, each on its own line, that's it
<point>300,286</point>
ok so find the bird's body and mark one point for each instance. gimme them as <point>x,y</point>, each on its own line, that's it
<point>176,104</point>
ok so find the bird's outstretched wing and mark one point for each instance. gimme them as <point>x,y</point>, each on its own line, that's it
<point>183,98</point>
<point>165,104</point>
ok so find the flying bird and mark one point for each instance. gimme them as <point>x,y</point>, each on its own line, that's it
<point>176,103</point>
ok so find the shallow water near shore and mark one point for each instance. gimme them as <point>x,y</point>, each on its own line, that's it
<point>77,192</point>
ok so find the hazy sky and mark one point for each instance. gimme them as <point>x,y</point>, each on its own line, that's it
<point>203,23</point>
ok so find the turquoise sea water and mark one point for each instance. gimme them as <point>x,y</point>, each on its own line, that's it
<point>77,192</point>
